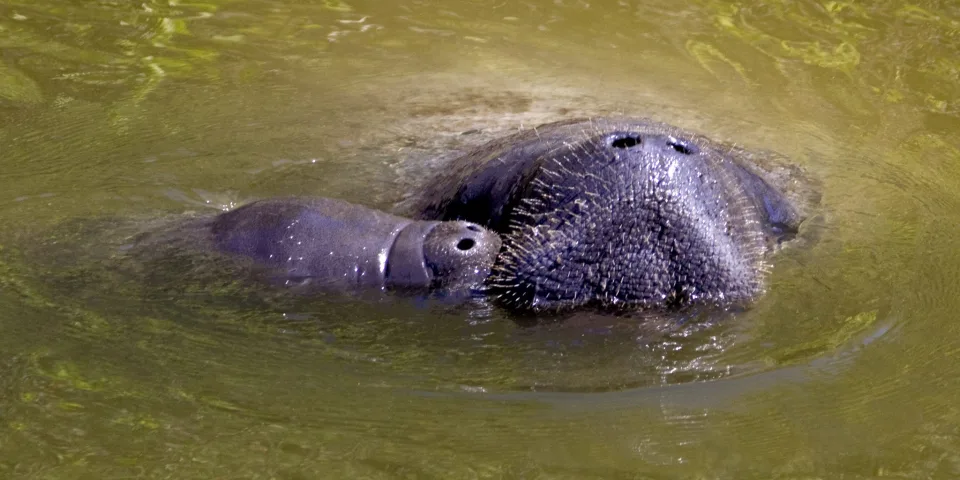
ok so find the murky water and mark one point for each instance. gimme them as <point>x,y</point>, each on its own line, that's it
<point>119,116</point>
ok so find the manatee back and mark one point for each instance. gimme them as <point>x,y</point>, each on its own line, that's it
<point>322,239</point>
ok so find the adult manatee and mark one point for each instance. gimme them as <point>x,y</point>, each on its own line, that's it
<point>617,214</point>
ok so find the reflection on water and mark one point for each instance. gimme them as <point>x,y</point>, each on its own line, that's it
<point>120,116</point>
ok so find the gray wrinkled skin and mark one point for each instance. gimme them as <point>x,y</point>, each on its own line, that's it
<point>328,242</point>
<point>618,214</point>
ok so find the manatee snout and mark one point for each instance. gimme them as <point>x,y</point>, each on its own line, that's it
<point>441,255</point>
<point>460,253</point>
<point>650,143</point>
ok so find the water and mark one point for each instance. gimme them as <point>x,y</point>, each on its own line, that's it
<point>121,116</point>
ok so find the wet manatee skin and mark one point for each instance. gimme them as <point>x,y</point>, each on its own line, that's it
<point>608,214</point>
<point>329,242</point>
<point>618,214</point>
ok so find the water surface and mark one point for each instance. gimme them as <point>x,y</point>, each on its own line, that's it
<point>117,117</point>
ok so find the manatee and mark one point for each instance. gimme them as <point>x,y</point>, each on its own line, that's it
<point>619,214</point>
<point>622,214</point>
<point>331,243</point>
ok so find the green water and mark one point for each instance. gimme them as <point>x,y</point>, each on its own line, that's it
<point>116,116</point>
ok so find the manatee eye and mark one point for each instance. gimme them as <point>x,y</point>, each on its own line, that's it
<point>465,244</point>
<point>625,141</point>
<point>473,228</point>
<point>681,146</point>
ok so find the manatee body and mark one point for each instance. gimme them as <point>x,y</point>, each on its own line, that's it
<point>616,214</point>
<point>327,242</point>
<point>609,214</point>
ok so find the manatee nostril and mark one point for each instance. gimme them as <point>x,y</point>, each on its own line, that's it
<point>625,141</point>
<point>465,244</point>
<point>473,228</point>
<point>681,146</point>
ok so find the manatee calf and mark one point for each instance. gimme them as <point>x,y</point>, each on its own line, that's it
<point>327,242</point>
<point>617,214</point>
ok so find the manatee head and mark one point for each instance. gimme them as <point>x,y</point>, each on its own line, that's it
<point>617,215</point>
